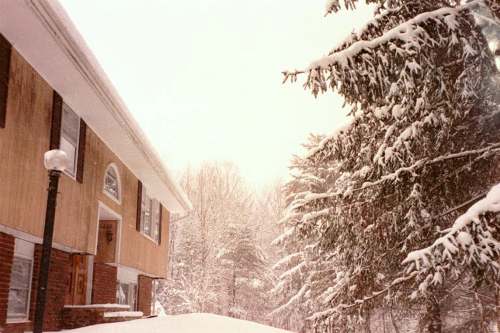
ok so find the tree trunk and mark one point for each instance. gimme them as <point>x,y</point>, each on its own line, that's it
<point>367,323</point>
<point>234,287</point>
<point>498,308</point>
<point>433,309</point>
<point>396,329</point>
<point>480,309</point>
<point>383,320</point>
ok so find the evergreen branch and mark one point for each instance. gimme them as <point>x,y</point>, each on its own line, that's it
<point>357,303</point>
<point>400,32</point>
<point>495,148</point>
<point>457,235</point>
<point>376,294</point>
<point>487,19</point>
<point>462,205</point>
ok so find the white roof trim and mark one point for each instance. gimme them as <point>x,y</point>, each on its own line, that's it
<point>44,34</point>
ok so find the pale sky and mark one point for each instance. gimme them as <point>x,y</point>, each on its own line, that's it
<point>203,77</point>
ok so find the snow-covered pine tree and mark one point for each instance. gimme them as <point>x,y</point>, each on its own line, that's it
<point>304,283</point>
<point>422,145</point>
<point>268,211</point>
<point>472,241</point>
<point>246,271</point>
<point>304,271</point>
<point>183,291</point>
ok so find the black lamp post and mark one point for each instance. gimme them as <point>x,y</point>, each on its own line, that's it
<point>55,163</point>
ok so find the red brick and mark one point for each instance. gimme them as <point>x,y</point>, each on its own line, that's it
<point>17,327</point>
<point>80,317</point>
<point>59,283</point>
<point>104,284</point>
<point>6,256</point>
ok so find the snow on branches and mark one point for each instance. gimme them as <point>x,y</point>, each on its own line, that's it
<point>423,142</point>
<point>394,54</point>
<point>473,238</point>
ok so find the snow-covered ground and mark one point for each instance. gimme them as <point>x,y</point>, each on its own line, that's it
<point>188,323</point>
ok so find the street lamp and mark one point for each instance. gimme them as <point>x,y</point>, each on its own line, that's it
<point>55,161</point>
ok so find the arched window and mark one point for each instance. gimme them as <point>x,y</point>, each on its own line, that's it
<point>112,183</point>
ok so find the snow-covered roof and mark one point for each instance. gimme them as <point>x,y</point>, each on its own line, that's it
<point>46,37</point>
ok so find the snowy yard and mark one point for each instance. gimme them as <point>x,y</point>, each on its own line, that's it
<point>189,323</point>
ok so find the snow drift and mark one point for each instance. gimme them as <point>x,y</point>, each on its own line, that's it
<point>188,323</point>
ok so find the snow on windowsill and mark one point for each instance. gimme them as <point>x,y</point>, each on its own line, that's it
<point>135,314</point>
<point>90,306</point>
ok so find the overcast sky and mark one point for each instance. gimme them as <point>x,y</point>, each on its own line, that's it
<point>203,77</point>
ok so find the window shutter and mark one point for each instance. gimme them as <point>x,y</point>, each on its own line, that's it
<point>160,222</point>
<point>5,53</point>
<point>139,206</point>
<point>81,151</point>
<point>55,130</point>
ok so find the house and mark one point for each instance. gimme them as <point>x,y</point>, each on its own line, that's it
<point>114,201</point>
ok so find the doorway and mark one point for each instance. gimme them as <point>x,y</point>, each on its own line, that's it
<point>108,236</point>
<point>80,267</point>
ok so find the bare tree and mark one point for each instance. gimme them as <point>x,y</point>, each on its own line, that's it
<point>214,270</point>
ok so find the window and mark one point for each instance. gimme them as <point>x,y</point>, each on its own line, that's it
<point>156,221</point>
<point>112,183</point>
<point>20,281</point>
<point>150,216</point>
<point>70,133</point>
<point>126,294</point>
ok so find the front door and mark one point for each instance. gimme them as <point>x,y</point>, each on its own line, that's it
<point>106,241</point>
<point>78,289</point>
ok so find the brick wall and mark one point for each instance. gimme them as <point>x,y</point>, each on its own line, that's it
<point>144,294</point>
<point>104,284</point>
<point>59,281</point>
<point>6,255</point>
<point>58,288</point>
<point>18,328</point>
<point>80,317</point>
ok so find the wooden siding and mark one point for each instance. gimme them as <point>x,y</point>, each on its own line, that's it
<point>23,180</point>
<point>22,145</point>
